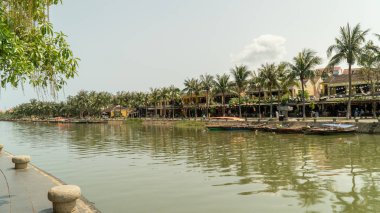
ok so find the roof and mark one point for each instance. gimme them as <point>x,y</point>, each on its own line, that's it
<point>342,79</point>
<point>113,108</point>
<point>353,70</point>
<point>328,69</point>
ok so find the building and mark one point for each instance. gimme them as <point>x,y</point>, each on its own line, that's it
<point>116,111</point>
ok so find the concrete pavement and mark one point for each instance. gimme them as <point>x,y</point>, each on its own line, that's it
<point>25,190</point>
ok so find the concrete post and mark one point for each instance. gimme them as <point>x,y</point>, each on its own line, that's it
<point>21,161</point>
<point>64,198</point>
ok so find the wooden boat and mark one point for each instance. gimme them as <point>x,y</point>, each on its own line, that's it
<point>223,127</point>
<point>330,129</point>
<point>228,127</point>
<point>289,130</point>
<point>284,129</point>
<point>227,118</point>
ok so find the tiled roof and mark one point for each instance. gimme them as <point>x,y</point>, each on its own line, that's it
<point>343,79</point>
<point>353,70</point>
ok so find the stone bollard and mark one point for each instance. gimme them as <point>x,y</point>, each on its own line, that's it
<point>64,198</point>
<point>1,147</point>
<point>21,161</point>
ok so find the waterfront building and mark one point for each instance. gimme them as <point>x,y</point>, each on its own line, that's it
<point>327,94</point>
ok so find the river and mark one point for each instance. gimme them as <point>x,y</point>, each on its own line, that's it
<point>139,168</point>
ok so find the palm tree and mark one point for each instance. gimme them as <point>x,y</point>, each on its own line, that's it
<point>347,47</point>
<point>189,90</point>
<point>82,102</point>
<point>193,88</point>
<point>370,61</point>
<point>303,66</point>
<point>155,98</point>
<point>257,83</point>
<point>268,73</point>
<point>145,101</point>
<point>139,101</point>
<point>164,97</point>
<point>240,74</point>
<point>285,79</point>
<point>174,94</point>
<point>222,85</point>
<point>207,84</point>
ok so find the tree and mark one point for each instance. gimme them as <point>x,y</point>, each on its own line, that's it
<point>154,98</point>
<point>164,97</point>
<point>30,51</point>
<point>303,66</point>
<point>193,88</point>
<point>174,94</point>
<point>347,47</point>
<point>79,103</point>
<point>268,72</point>
<point>145,101</point>
<point>370,71</point>
<point>97,101</point>
<point>223,85</point>
<point>257,83</point>
<point>207,84</point>
<point>240,74</point>
<point>285,80</point>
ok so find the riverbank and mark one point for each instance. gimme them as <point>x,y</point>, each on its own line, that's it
<point>365,125</point>
<point>26,190</point>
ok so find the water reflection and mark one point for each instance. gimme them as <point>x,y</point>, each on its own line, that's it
<point>337,174</point>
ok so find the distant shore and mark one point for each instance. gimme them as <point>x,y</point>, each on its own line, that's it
<point>369,126</point>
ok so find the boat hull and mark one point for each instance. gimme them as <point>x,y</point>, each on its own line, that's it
<point>329,131</point>
<point>229,128</point>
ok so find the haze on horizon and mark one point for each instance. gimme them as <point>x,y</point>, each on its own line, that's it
<point>134,45</point>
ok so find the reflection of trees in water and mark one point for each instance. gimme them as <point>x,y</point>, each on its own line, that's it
<point>311,166</point>
<point>363,163</point>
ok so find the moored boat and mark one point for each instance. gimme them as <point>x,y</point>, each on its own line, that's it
<point>290,130</point>
<point>224,127</point>
<point>226,118</point>
<point>330,129</point>
<point>283,129</point>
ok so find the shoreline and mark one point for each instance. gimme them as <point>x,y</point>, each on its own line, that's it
<point>365,125</point>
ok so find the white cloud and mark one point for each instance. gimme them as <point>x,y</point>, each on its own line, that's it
<point>265,48</point>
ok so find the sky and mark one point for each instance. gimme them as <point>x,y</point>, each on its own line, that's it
<point>129,45</point>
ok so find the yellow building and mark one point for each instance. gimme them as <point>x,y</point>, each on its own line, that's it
<point>116,111</point>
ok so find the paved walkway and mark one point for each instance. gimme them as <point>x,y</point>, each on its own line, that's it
<point>25,191</point>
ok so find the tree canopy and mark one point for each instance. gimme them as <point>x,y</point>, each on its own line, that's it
<point>30,51</point>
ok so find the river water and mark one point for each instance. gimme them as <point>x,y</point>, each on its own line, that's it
<point>139,168</point>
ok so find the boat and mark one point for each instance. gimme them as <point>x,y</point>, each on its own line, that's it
<point>224,127</point>
<point>227,118</point>
<point>330,129</point>
<point>290,130</point>
<point>283,129</point>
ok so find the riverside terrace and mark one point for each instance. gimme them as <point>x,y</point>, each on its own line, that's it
<point>328,95</point>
